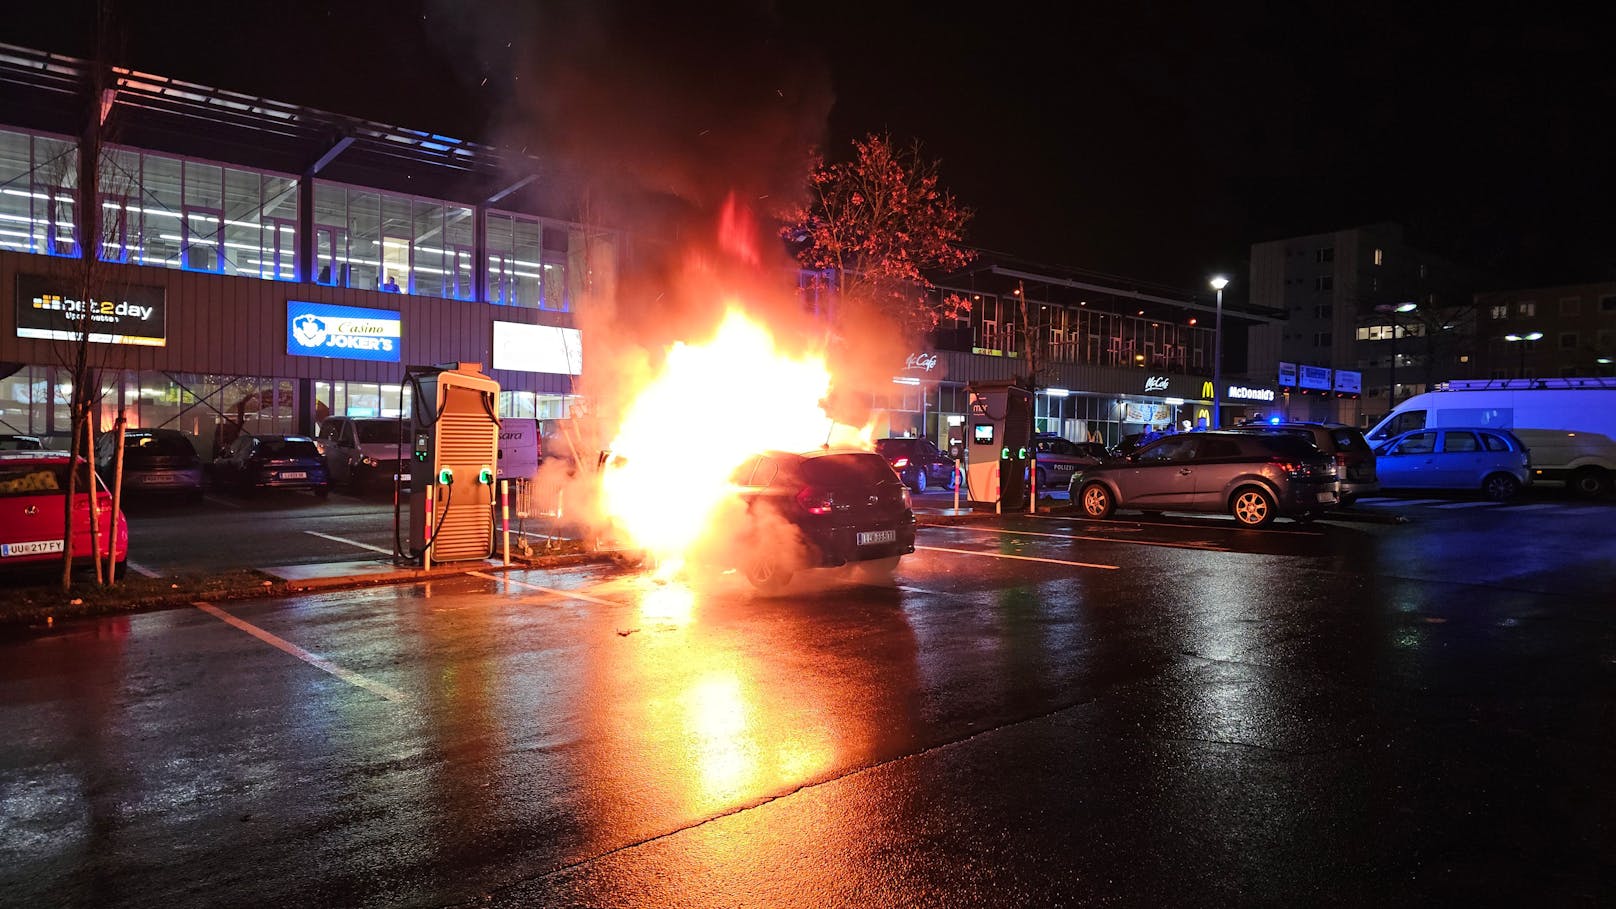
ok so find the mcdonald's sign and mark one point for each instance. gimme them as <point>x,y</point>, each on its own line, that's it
<point>1208,393</point>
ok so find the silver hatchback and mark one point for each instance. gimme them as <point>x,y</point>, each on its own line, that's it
<point>1491,461</point>
<point>1254,476</point>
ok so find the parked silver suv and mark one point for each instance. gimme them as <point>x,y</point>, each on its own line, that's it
<point>1253,476</point>
<point>364,453</point>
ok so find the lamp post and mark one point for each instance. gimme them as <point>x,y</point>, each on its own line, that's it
<point>1219,282</point>
<point>1517,339</point>
<point>1392,309</point>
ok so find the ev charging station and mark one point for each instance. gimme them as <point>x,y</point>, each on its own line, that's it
<point>454,453</point>
<point>998,448</point>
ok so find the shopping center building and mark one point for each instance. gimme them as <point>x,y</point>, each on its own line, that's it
<point>255,265</point>
<point>262,265</point>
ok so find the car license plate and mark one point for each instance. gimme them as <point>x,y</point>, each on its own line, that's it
<point>401,476</point>
<point>872,537</point>
<point>34,548</point>
<point>294,475</point>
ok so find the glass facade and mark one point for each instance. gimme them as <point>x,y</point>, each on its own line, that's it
<point>527,262</point>
<point>197,216</point>
<point>394,243</point>
<point>39,178</point>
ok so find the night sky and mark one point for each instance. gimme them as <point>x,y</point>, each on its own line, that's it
<point>1141,141</point>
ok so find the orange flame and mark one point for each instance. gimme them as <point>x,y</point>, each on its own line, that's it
<point>737,231</point>
<point>712,405</point>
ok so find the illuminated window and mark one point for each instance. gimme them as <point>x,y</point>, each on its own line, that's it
<point>1379,257</point>
<point>1526,308</point>
<point>1501,311</point>
<point>38,187</point>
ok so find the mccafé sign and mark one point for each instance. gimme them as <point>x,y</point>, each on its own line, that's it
<point>924,362</point>
<point>1244,393</point>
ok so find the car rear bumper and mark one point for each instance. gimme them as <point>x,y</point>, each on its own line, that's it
<point>840,545</point>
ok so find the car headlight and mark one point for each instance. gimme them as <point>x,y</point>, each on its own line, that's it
<point>369,461</point>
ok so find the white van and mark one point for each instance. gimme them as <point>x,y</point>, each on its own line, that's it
<point>1569,425</point>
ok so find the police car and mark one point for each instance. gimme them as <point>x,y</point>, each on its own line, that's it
<point>1058,458</point>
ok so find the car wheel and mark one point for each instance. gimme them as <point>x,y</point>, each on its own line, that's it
<point>1590,482</point>
<point>1500,487</point>
<point>953,479</point>
<point>1097,501</point>
<point>1252,507</point>
<point>767,574</point>
<point>920,479</point>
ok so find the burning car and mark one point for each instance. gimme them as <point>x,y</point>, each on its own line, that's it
<point>813,510</point>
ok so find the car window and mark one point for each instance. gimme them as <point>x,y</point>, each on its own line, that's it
<point>288,448</point>
<point>1418,443</point>
<point>378,430</point>
<point>1405,421</point>
<point>328,430</point>
<point>1495,442</point>
<point>1347,439</point>
<point>158,445</point>
<point>1458,442</point>
<point>1214,447</point>
<point>852,469</point>
<point>31,479</point>
<point>1165,450</point>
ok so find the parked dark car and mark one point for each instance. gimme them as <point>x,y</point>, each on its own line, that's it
<point>10,442</point>
<point>274,462</point>
<point>819,509</point>
<point>1491,461</point>
<point>919,462</point>
<point>154,460</point>
<point>1254,476</point>
<point>1354,456</point>
<point>1057,458</point>
<point>33,487</point>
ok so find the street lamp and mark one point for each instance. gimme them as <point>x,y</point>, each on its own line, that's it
<point>1219,282</point>
<point>1392,309</point>
<point>1529,336</point>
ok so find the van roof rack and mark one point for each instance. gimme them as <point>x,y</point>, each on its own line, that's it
<point>1527,384</point>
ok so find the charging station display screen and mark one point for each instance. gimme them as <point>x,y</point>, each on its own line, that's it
<point>982,433</point>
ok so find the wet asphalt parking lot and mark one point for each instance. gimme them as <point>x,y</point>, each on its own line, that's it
<point>1037,711</point>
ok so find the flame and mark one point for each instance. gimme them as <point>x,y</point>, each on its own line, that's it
<point>712,405</point>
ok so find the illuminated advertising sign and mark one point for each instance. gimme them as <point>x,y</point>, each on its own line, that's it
<point>343,332</point>
<point>521,347</point>
<point>1246,393</point>
<point>1348,382</point>
<point>47,309</point>
<point>1287,375</point>
<point>1316,377</point>
<point>1157,383</point>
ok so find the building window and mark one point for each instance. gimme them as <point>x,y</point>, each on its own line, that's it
<point>1324,282</point>
<point>1323,311</point>
<point>527,262</point>
<point>1607,304</point>
<point>1526,308</point>
<point>39,179</point>
<point>393,243</point>
<point>1500,311</point>
<point>1380,257</point>
<point>1321,339</point>
<point>193,215</point>
<point>1568,340</point>
<point>1570,305</point>
<point>1325,254</point>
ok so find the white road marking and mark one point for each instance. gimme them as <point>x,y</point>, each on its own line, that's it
<point>1414,501</point>
<point>337,539</point>
<point>1536,506</point>
<point>347,675</point>
<point>553,591</point>
<point>1188,544</point>
<point>142,570</point>
<point>1001,555</point>
<point>1452,505</point>
<point>1223,518</point>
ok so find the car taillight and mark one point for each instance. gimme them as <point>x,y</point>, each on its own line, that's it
<point>901,463</point>
<point>816,501</point>
<point>1296,469</point>
<point>907,502</point>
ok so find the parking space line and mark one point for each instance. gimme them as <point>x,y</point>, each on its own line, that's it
<point>1535,506</point>
<point>1001,555</point>
<point>338,539</point>
<point>553,591</point>
<point>386,692</point>
<point>1227,519</point>
<point>142,570</point>
<point>1189,544</point>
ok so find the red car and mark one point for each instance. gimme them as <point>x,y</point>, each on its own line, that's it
<point>32,484</point>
